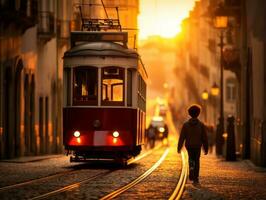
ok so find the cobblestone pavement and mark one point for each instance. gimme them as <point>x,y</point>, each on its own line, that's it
<point>27,168</point>
<point>218,179</point>
<point>227,180</point>
<point>155,188</point>
<point>159,185</point>
<point>12,173</point>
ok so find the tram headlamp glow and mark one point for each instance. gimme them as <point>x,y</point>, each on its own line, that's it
<point>161,129</point>
<point>76,134</point>
<point>115,134</point>
<point>114,140</point>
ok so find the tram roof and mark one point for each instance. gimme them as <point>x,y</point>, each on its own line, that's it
<point>101,49</point>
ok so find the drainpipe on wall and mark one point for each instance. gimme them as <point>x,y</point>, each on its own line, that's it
<point>244,80</point>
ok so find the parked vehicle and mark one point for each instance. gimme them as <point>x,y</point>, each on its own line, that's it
<point>160,126</point>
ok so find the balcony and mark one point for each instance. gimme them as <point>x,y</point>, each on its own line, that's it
<point>231,59</point>
<point>233,3</point>
<point>22,15</point>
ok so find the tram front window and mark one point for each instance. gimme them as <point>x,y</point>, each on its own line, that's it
<point>112,86</point>
<point>85,86</point>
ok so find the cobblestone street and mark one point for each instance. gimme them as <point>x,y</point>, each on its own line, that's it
<point>159,185</point>
<point>126,99</point>
<point>218,179</point>
<point>227,180</point>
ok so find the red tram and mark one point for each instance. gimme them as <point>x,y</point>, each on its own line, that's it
<point>104,97</point>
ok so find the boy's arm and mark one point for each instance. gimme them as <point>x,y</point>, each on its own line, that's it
<point>181,139</point>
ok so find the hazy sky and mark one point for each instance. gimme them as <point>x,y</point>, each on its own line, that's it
<point>162,17</point>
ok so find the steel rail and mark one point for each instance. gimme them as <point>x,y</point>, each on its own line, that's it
<point>176,195</point>
<point>78,184</point>
<point>70,187</point>
<point>144,154</point>
<point>137,180</point>
<point>8,187</point>
<point>36,180</point>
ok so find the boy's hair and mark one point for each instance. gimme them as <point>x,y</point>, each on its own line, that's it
<point>194,110</point>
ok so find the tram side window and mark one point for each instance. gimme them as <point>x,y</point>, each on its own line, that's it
<point>141,93</point>
<point>67,86</point>
<point>129,88</point>
<point>85,86</point>
<point>112,86</point>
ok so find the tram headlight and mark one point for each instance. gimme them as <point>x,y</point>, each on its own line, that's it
<point>161,129</point>
<point>76,134</point>
<point>115,134</point>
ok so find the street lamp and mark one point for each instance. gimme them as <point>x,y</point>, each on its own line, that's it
<point>205,96</point>
<point>220,22</point>
<point>215,89</point>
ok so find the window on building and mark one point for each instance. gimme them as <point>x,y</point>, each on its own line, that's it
<point>112,86</point>
<point>85,86</point>
<point>230,90</point>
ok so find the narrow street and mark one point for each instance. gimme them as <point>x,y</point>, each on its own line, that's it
<point>30,178</point>
<point>105,177</point>
<point>133,99</point>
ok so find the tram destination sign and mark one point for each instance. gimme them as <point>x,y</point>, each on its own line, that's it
<point>85,36</point>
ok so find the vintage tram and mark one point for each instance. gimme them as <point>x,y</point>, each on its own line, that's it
<point>104,97</point>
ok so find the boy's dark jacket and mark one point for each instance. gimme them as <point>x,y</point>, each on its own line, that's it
<point>194,134</point>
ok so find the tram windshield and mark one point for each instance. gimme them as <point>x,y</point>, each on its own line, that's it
<point>112,85</point>
<point>85,86</point>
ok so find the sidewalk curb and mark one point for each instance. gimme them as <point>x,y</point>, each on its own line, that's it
<point>253,166</point>
<point>32,159</point>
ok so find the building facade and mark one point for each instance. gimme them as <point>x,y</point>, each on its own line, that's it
<point>244,63</point>
<point>253,80</point>
<point>33,38</point>
<point>199,64</point>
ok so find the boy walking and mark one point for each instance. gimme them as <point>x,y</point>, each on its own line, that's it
<point>194,134</point>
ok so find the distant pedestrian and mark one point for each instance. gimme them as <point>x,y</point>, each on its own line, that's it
<point>166,131</point>
<point>151,135</point>
<point>194,134</point>
<point>219,140</point>
<point>211,137</point>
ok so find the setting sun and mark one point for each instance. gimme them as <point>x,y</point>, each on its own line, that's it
<point>162,17</point>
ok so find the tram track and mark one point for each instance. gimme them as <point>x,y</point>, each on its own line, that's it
<point>137,180</point>
<point>176,195</point>
<point>32,181</point>
<point>36,180</point>
<point>69,187</point>
<point>180,187</point>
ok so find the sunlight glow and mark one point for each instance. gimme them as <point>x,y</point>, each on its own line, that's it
<point>162,17</point>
